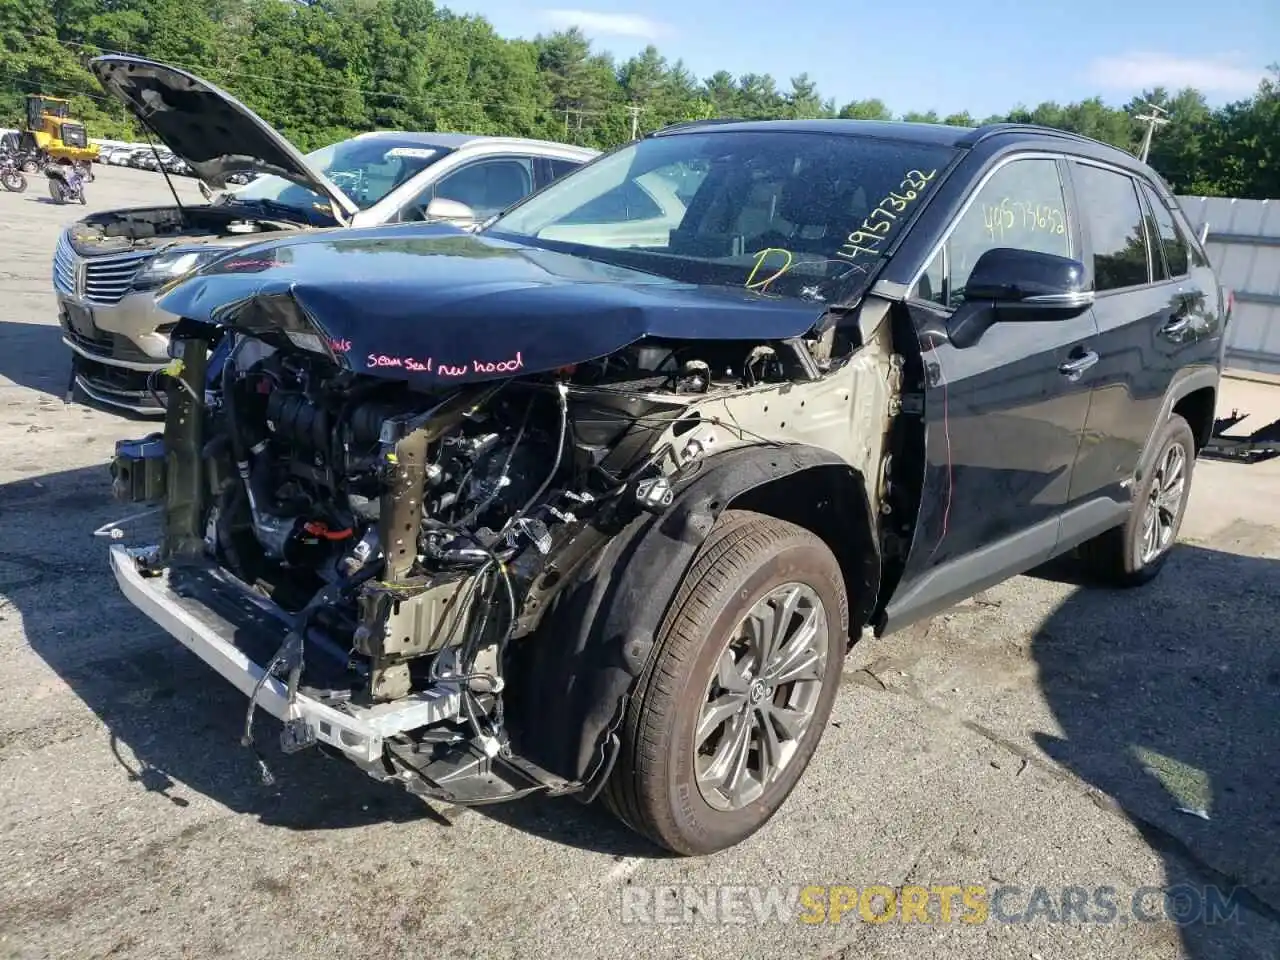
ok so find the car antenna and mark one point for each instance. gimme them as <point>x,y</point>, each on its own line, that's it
<point>163,172</point>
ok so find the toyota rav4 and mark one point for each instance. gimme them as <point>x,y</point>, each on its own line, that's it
<point>594,500</point>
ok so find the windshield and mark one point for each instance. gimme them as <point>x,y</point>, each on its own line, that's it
<point>792,213</point>
<point>366,169</point>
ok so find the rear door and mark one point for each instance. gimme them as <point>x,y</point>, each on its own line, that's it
<point>1003,417</point>
<point>1146,310</point>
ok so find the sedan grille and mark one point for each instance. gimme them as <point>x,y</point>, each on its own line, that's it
<point>107,279</point>
<point>64,266</point>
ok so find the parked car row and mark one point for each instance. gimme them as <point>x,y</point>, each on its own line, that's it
<point>144,158</point>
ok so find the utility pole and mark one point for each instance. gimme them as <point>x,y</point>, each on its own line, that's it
<point>1154,118</point>
<point>634,110</point>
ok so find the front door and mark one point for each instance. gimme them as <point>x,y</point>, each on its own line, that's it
<point>1003,417</point>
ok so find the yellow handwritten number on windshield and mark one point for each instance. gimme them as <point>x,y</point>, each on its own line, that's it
<point>867,238</point>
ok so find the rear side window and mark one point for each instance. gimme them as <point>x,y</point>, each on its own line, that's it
<point>1172,241</point>
<point>1110,210</point>
<point>560,167</point>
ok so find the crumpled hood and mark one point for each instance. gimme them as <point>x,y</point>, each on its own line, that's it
<point>211,130</point>
<point>433,304</point>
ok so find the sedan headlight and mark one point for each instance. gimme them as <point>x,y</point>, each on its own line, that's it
<point>177,263</point>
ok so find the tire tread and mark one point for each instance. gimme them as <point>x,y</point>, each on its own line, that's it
<point>735,544</point>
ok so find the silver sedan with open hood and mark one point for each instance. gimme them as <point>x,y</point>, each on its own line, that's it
<point>107,266</point>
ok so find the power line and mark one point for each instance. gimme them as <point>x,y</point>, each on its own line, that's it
<point>226,72</point>
<point>18,79</point>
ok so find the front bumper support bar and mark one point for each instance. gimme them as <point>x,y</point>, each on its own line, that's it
<point>211,634</point>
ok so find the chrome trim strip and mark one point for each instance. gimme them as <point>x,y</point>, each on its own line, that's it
<point>99,397</point>
<point>112,362</point>
<point>1081,299</point>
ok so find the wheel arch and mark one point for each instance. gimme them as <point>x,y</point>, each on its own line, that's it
<point>582,664</point>
<point>1193,395</point>
<point>1197,407</point>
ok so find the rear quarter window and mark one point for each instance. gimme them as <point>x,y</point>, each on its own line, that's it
<point>1171,240</point>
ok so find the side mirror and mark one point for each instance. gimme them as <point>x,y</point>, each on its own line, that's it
<point>441,209</point>
<point>1008,285</point>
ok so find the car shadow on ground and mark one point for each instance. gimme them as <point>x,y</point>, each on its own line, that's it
<point>173,725</point>
<point>1178,722</point>
<point>33,355</point>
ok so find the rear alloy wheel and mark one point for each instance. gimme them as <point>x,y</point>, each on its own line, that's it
<point>1133,554</point>
<point>739,688</point>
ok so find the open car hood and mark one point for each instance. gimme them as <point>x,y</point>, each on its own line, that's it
<point>213,132</point>
<point>437,305</point>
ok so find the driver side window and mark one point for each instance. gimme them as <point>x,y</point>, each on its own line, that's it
<point>487,186</point>
<point>1022,206</point>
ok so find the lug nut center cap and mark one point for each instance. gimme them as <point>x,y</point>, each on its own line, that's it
<point>757,691</point>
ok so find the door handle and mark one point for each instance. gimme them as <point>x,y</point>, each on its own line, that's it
<point>1074,368</point>
<point>1180,321</point>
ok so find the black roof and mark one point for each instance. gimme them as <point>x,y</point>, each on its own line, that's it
<point>939,134</point>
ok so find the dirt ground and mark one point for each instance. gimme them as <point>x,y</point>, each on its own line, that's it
<point>1043,735</point>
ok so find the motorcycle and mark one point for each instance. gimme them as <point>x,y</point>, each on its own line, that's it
<point>66,183</point>
<point>11,178</point>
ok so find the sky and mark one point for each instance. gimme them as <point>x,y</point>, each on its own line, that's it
<point>984,56</point>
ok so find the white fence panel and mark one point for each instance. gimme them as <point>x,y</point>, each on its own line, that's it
<point>1244,245</point>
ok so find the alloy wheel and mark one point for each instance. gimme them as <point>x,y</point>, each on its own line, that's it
<point>1164,503</point>
<point>762,698</point>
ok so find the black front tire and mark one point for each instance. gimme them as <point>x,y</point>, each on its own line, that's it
<point>654,787</point>
<point>1116,557</point>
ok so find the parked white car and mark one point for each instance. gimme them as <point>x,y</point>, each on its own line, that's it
<point>106,281</point>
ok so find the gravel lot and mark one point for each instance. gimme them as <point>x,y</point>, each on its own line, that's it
<point>1043,735</point>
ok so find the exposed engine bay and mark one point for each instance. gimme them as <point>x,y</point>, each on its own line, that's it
<point>412,540</point>
<point>119,231</point>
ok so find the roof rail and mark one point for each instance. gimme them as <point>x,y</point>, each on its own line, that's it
<point>996,129</point>
<point>688,124</point>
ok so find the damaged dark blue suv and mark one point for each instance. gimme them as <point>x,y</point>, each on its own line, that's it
<point>595,500</point>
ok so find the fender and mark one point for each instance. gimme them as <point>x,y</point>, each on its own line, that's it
<point>599,634</point>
